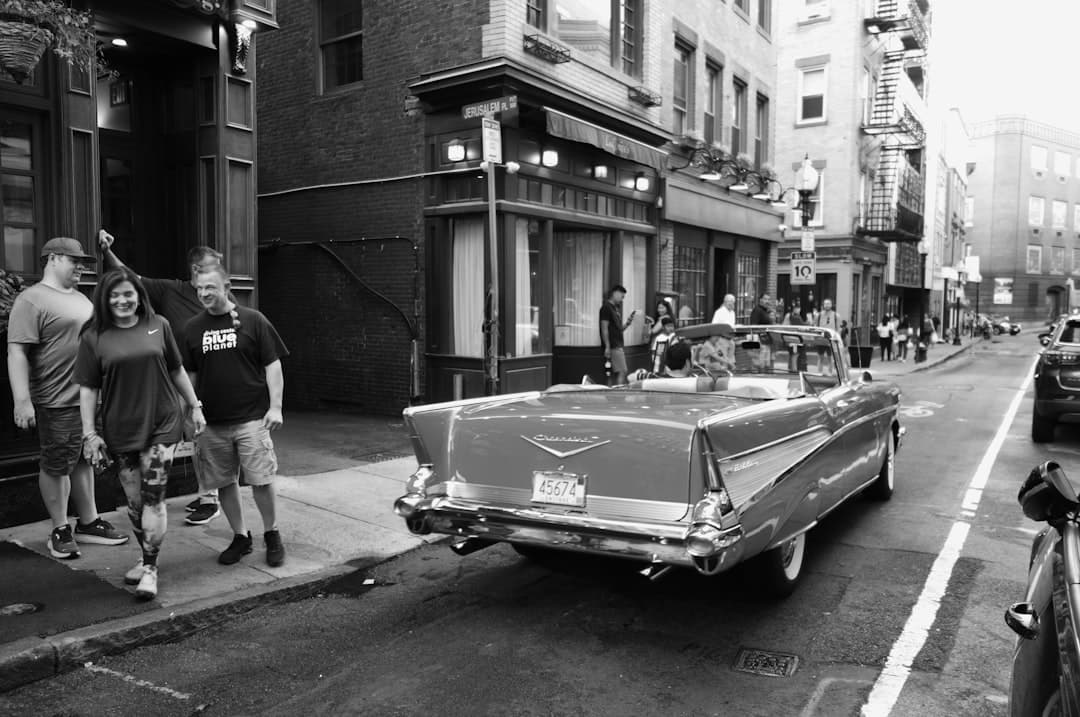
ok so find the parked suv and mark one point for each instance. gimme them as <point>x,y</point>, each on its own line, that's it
<point>1057,380</point>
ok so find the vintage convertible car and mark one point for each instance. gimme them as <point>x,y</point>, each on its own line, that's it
<point>737,461</point>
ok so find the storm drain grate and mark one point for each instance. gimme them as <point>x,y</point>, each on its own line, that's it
<point>766,662</point>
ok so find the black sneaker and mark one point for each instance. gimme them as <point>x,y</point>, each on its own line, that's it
<point>193,505</point>
<point>275,551</point>
<point>238,548</point>
<point>61,544</point>
<point>203,514</point>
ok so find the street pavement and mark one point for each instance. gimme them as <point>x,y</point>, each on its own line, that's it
<point>866,569</point>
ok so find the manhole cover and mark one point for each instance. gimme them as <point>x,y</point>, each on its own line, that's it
<point>19,608</point>
<point>766,662</point>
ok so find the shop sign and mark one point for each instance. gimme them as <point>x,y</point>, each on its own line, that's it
<point>1003,290</point>
<point>487,108</point>
<point>807,240</point>
<point>208,7</point>
<point>803,268</point>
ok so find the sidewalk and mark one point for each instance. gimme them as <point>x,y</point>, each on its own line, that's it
<point>936,355</point>
<point>333,521</point>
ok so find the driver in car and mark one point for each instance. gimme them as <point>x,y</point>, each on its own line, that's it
<point>677,359</point>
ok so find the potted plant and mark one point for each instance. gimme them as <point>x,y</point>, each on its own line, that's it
<point>29,27</point>
<point>10,285</point>
<point>745,160</point>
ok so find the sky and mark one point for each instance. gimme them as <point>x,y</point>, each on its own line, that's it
<point>991,57</point>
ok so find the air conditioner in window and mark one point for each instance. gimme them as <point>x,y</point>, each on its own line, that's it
<point>814,11</point>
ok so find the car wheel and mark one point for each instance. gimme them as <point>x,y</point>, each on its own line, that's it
<point>780,568</point>
<point>1042,428</point>
<point>533,552</point>
<point>882,488</point>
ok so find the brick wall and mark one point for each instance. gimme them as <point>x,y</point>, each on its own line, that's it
<point>349,348</point>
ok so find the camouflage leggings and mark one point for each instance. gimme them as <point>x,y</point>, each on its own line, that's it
<point>144,476</point>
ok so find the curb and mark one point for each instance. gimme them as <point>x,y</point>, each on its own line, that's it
<point>929,365</point>
<point>33,658</point>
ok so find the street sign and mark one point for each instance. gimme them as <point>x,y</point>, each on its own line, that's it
<point>492,134</point>
<point>506,103</point>
<point>807,240</point>
<point>803,268</point>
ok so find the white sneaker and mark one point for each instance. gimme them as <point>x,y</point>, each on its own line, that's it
<point>147,589</point>
<point>133,576</point>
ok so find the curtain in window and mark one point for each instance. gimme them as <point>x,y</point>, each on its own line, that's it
<point>527,316</point>
<point>468,289</point>
<point>579,287</point>
<point>634,279</point>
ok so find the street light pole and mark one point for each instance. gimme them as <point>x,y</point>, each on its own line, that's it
<point>920,349</point>
<point>958,324</point>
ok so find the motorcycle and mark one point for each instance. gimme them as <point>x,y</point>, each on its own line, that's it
<point>1046,662</point>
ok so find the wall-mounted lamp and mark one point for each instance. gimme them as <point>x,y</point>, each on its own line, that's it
<point>119,42</point>
<point>600,171</point>
<point>250,24</point>
<point>549,158</point>
<point>641,182</point>
<point>512,167</point>
<point>455,151</point>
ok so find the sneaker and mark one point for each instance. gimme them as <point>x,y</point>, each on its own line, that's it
<point>193,505</point>
<point>147,589</point>
<point>133,576</point>
<point>61,544</point>
<point>100,532</point>
<point>203,514</point>
<point>275,551</point>
<point>238,548</point>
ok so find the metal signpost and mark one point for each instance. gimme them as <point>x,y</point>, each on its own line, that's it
<point>492,150</point>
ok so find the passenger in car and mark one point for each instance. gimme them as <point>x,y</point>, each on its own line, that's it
<point>678,360</point>
<point>716,354</point>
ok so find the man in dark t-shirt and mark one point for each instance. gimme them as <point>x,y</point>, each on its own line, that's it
<point>760,314</point>
<point>233,355</point>
<point>611,333</point>
<point>177,301</point>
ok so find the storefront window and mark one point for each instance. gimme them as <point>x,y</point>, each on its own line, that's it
<point>689,284</point>
<point>467,297</point>
<point>20,203</point>
<point>634,276</point>
<point>580,279</point>
<point>527,283</point>
<point>749,286</point>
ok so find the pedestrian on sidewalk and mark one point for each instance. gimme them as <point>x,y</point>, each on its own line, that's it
<point>233,356</point>
<point>903,330</point>
<point>43,340</point>
<point>128,362</point>
<point>884,332</point>
<point>177,302</point>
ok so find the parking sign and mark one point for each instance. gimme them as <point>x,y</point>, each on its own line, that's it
<point>803,268</point>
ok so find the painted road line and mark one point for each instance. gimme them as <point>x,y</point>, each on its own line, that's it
<point>894,675</point>
<point>131,679</point>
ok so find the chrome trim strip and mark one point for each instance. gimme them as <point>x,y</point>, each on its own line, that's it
<point>777,442</point>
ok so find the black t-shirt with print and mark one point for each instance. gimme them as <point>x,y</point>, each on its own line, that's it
<point>133,369</point>
<point>231,363</point>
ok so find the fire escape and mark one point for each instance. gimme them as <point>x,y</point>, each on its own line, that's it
<point>895,211</point>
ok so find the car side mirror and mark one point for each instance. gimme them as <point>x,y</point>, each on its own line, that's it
<point>1047,495</point>
<point>1044,339</point>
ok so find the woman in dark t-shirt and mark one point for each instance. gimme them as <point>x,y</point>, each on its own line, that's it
<point>129,362</point>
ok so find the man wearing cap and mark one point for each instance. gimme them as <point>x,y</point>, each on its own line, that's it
<point>43,340</point>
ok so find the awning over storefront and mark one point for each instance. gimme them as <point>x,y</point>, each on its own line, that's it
<point>577,130</point>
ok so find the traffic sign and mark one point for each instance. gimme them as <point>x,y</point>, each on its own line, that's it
<point>807,240</point>
<point>803,268</point>
<point>492,134</point>
<point>506,103</point>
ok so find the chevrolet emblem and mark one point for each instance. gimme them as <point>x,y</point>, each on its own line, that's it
<point>535,440</point>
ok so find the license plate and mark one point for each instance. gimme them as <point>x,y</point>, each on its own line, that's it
<point>558,488</point>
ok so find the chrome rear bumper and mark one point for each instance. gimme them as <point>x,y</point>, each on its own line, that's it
<point>643,541</point>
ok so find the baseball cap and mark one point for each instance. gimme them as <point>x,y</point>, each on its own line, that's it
<point>66,246</point>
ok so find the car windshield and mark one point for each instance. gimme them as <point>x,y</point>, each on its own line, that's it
<point>763,363</point>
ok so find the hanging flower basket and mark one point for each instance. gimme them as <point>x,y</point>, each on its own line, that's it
<point>21,46</point>
<point>29,27</point>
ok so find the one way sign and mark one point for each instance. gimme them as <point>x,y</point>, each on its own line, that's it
<point>803,268</point>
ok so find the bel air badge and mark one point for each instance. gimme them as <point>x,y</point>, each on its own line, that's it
<point>589,444</point>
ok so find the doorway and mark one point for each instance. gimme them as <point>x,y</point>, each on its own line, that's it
<point>723,275</point>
